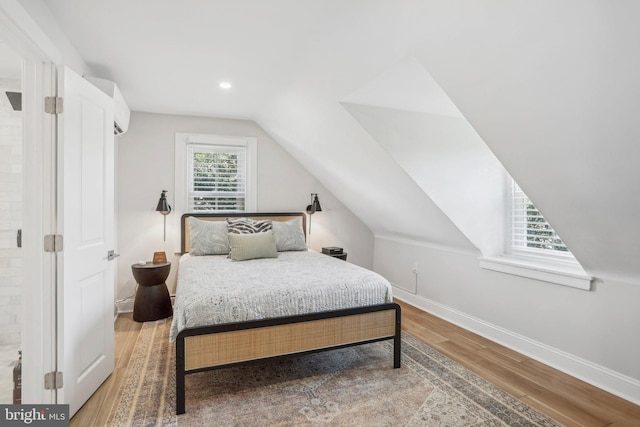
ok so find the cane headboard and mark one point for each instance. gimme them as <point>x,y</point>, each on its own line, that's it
<point>184,239</point>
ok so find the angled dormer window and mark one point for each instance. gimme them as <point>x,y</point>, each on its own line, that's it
<point>533,249</point>
<point>531,234</point>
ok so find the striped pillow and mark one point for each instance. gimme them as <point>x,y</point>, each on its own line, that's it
<point>248,225</point>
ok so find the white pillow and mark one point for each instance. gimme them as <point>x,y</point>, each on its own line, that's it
<point>207,237</point>
<point>289,235</point>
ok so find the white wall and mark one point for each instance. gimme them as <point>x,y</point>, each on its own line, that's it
<point>145,166</point>
<point>590,334</point>
<point>11,257</point>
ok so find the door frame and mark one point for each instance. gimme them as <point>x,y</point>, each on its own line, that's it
<point>38,336</point>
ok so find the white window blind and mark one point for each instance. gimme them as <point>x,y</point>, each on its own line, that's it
<point>533,249</point>
<point>216,178</point>
<point>530,231</point>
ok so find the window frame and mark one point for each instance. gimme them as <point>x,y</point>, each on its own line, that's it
<point>551,266</point>
<point>182,143</point>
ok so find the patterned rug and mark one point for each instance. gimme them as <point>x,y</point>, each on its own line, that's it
<point>356,386</point>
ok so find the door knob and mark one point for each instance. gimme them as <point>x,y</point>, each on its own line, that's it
<point>111,255</point>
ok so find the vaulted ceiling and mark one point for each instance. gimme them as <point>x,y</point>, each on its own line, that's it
<point>410,112</point>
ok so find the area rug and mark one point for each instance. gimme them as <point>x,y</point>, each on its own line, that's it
<point>355,386</point>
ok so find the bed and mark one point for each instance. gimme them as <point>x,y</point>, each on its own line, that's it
<point>299,301</point>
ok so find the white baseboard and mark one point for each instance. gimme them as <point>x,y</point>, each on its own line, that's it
<point>125,306</point>
<point>614,382</point>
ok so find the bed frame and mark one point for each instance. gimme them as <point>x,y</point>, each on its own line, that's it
<point>213,347</point>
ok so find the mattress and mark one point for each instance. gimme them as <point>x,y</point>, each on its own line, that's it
<point>214,290</point>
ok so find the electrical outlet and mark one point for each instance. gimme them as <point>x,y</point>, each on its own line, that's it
<point>415,268</point>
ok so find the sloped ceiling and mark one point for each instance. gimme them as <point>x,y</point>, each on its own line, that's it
<point>550,88</point>
<point>405,86</point>
<point>412,118</point>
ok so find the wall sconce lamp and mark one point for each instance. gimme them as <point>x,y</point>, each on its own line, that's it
<point>313,207</point>
<point>165,209</point>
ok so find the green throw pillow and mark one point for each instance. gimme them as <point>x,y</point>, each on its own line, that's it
<point>252,246</point>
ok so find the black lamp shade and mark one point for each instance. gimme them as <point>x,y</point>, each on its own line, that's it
<point>163,206</point>
<point>315,204</point>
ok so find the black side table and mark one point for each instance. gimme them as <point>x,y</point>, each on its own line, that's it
<point>152,297</point>
<point>342,256</point>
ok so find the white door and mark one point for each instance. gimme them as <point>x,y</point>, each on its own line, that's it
<point>86,222</point>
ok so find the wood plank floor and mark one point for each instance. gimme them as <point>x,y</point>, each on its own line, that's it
<point>96,410</point>
<point>562,397</point>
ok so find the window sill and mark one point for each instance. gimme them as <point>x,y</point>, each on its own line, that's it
<point>567,275</point>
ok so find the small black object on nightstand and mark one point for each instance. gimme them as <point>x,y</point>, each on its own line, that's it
<point>152,297</point>
<point>335,252</point>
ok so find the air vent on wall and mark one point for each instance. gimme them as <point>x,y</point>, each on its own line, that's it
<point>15,98</point>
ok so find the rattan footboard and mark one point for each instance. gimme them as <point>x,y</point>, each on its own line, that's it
<point>212,347</point>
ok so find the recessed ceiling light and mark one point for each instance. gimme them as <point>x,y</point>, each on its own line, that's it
<point>225,85</point>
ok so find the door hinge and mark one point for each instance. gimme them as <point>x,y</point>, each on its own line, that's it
<point>53,104</point>
<point>53,381</point>
<point>53,243</point>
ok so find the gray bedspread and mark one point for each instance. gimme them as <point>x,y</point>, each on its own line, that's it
<point>214,290</point>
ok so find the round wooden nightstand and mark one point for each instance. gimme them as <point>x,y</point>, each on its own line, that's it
<point>152,297</point>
